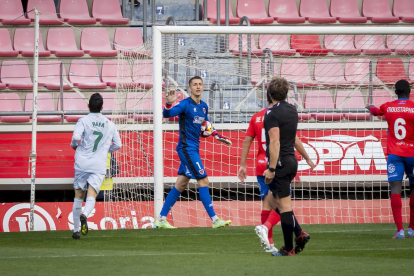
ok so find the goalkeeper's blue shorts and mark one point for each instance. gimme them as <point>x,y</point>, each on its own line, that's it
<point>263,187</point>
<point>191,165</point>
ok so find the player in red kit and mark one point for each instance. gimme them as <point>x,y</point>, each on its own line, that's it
<point>400,148</point>
<point>268,215</point>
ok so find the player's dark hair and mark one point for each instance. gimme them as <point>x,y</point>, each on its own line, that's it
<point>402,89</point>
<point>95,103</point>
<point>194,78</point>
<point>269,99</point>
<point>278,89</point>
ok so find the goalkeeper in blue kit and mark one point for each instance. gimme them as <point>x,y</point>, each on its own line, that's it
<point>192,113</point>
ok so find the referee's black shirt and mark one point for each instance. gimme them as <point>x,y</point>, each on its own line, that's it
<point>284,116</point>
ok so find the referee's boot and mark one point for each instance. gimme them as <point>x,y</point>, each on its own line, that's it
<point>301,241</point>
<point>84,224</point>
<point>76,235</point>
<point>283,252</point>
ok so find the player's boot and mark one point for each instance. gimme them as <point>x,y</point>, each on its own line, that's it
<point>84,224</point>
<point>410,233</point>
<point>163,223</point>
<point>271,249</point>
<point>283,252</point>
<point>76,235</point>
<point>262,232</point>
<point>301,241</point>
<point>219,223</point>
<point>399,234</point>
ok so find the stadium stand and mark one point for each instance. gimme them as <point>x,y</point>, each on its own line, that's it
<point>212,12</point>
<point>278,44</point>
<point>62,43</point>
<point>411,70</point>
<point>380,97</point>
<point>49,74</point>
<point>307,45</point>
<point>72,102</point>
<point>302,116</point>
<point>254,10</point>
<point>75,12</point>
<point>44,103</point>
<point>346,11</point>
<point>95,42</point>
<point>11,13</point>
<point>142,72</point>
<point>401,44</point>
<point>12,102</point>
<point>284,11</point>
<point>24,43</point>
<point>355,101</point>
<point>390,70</point>
<point>111,103</point>
<point>234,45</point>
<point>109,73</point>
<point>321,100</point>
<point>357,71</point>
<point>378,11</point>
<point>297,70</point>
<point>16,74</point>
<point>6,49</point>
<point>108,12</point>
<point>127,38</point>
<point>84,74</point>
<point>140,101</point>
<point>371,44</point>
<point>256,66</point>
<point>315,11</point>
<point>48,14</point>
<point>404,10</point>
<point>340,44</point>
<point>329,72</point>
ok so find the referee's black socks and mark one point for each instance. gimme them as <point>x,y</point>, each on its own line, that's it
<point>288,224</point>
<point>297,229</point>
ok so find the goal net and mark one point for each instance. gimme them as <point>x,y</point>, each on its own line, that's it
<point>333,74</point>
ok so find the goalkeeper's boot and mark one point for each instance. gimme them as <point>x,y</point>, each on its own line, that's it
<point>84,224</point>
<point>283,252</point>
<point>271,249</point>
<point>410,233</point>
<point>76,235</point>
<point>219,223</point>
<point>163,223</point>
<point>262,232</point>
<point>399,234</point>
<point>301,241</point>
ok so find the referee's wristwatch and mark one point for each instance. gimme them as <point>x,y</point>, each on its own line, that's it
<point>272,170</point>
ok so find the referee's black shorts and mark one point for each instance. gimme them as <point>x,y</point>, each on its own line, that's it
<point>286,170</point>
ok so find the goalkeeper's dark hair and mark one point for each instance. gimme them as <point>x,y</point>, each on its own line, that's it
<point>402,89</point>
<point>95,103</point>
<point>194,78</point>
<point>278,89</point>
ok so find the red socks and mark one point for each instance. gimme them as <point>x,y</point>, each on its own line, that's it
<point>411,212</point>
<point>396,206</point>
<point>271,220</point>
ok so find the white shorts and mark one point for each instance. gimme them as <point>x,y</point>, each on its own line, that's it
<point>82,178</point>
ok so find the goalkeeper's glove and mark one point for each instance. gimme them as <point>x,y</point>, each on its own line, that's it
<point>221,138</point>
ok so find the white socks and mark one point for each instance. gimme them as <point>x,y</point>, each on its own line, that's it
<point>77,210</point>
<point>161,217</point>
<point>89,205</point>
<point>214,218</point>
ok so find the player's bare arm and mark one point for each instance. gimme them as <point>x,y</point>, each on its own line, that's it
<point>274,149</point>
<point>242,174</point>
<point>299,147</point>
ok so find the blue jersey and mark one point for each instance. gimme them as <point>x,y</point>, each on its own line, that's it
<point>191,115</point>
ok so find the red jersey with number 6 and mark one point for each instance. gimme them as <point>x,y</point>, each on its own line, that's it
<point>400,119</point>
<point>256,130</point>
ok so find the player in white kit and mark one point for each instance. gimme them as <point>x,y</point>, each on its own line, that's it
<point>94,136</point>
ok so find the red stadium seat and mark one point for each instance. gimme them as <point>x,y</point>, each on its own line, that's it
<point>285,11</point>
<point>95,42</point>
<point>12,102</point>
<point>357,71</point>
<point>49,74</point>
<point>329,72</point>
<point>341,44</point>
<point>378,11</point>
<point>126,39</point>
<point>297,70</point>
<point>278,44</point>
<point>411,70</point>
<point>346,11</point>
<point>371,45</point>
<point>302,116</point>
<point>212,12</point>
<point>404,9</point>
<point>321,100</point>
<point>254,10</point>
<point>390,70</point>
<point>234,45</point>
<point>61,42</point>
<point>142,72</point>
<point>6,49</point>
<point>380,97</point>
<point>48,14</point>
<point>75,12</point>
<point>401,44</point>
<point>16,75</point>
<point>257,70</point>
<point>315,11</point>
<point>108,12</point>
<point>307,45</point>
<point>84,74</point>
<point>110,71</point>
<point>11,13</point>
<point>355,101</point>
<point>73,102</point>
<point>24,43</point>
<point>44,103</point>
<point>111,103</point>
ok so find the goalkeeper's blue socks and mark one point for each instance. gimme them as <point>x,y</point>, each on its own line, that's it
<point>206,200</point>
<point>172,197</point>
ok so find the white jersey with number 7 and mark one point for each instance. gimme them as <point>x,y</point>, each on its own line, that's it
<point>97,136</point>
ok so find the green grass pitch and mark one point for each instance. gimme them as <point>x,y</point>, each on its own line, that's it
<point>350,249</point>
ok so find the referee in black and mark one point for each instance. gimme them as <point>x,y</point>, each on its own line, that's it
<point>280,123</point>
